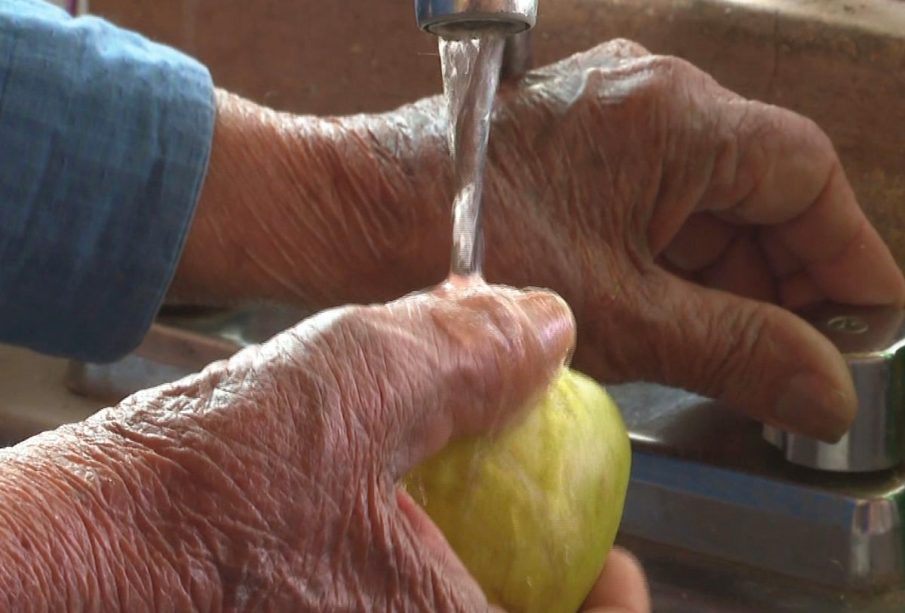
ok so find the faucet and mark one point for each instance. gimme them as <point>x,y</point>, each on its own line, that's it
<point>514,18</point>
<point>872,341</point>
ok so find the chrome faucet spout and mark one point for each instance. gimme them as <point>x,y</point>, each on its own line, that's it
<point>455,18</point>
<point>458,18</point>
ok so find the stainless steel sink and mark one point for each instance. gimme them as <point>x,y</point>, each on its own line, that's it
<point>724,523</point>
<point>179,343</point>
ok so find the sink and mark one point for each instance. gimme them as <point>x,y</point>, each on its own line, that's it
<point>179,343</point>
<point>724,523</point>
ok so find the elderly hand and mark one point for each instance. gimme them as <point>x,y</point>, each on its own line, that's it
<point>676,218</point>
<point>268,482</point>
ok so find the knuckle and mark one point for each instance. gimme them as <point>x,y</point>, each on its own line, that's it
<point>494,320</point>
<point>642,84</point>
<point>622,47</point>
<point>668,70</point>
<point>487,336</point>
<point>811,133</point>
<point>615,51</point>
<point>677,81</point>
<point>352,326</point>
<point>329,341</point>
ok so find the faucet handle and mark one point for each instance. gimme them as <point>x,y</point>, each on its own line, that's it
<point>872,341</point>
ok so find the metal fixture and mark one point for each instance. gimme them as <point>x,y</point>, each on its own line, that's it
<point>179,344</point>
<point>458,18</point>
<point>703,481</point>
<point>453,18</point>
<point>872,340</point>
<point>517,58</point>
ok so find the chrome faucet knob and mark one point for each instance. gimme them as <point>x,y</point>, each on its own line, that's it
<point>872,341</point>
<point>451,18</point>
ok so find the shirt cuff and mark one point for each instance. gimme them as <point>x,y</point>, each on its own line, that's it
<point>104,144</point>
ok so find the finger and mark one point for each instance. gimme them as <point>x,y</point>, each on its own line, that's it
<point>754,356</point>
<point>605,55</point>
<point>434,553</point>
<point>700,242</point>
<point>781,261</point>
<point>611,53</point>
<point>799,291</point>
<point>447,363</point>
<point>621,588</point>
<point>571,72</point>
<point>742,270</point>
<point>859,271</point>
<point>786,175</point>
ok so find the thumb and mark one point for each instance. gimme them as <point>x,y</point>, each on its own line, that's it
<point>754,356</point>
<point>621,587</point>
<point>453,362</point>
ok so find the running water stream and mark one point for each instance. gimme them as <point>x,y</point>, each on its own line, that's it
<point>471,72</point>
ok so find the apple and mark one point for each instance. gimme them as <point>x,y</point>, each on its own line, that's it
<point>532,511</point>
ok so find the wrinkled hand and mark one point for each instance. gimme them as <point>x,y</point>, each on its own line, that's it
<point>674,216</point>
<point>268,482</point>
<point>327,417</point>
<point>676,219</point>
<point>621,587</point>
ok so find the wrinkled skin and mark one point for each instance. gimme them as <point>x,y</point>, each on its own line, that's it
<point>674,217</point>
<point>675,212</point>
<point>268,482</point>
<point>668,212</point>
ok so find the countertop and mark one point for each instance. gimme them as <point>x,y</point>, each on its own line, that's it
<point>33,395</point>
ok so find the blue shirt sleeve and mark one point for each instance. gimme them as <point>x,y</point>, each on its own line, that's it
<point>104,143</point>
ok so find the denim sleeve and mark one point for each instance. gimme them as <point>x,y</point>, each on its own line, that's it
<point>104,143</point>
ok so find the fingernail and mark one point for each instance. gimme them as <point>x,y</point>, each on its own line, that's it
<point>809,405</point>
<point>553,321</point>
